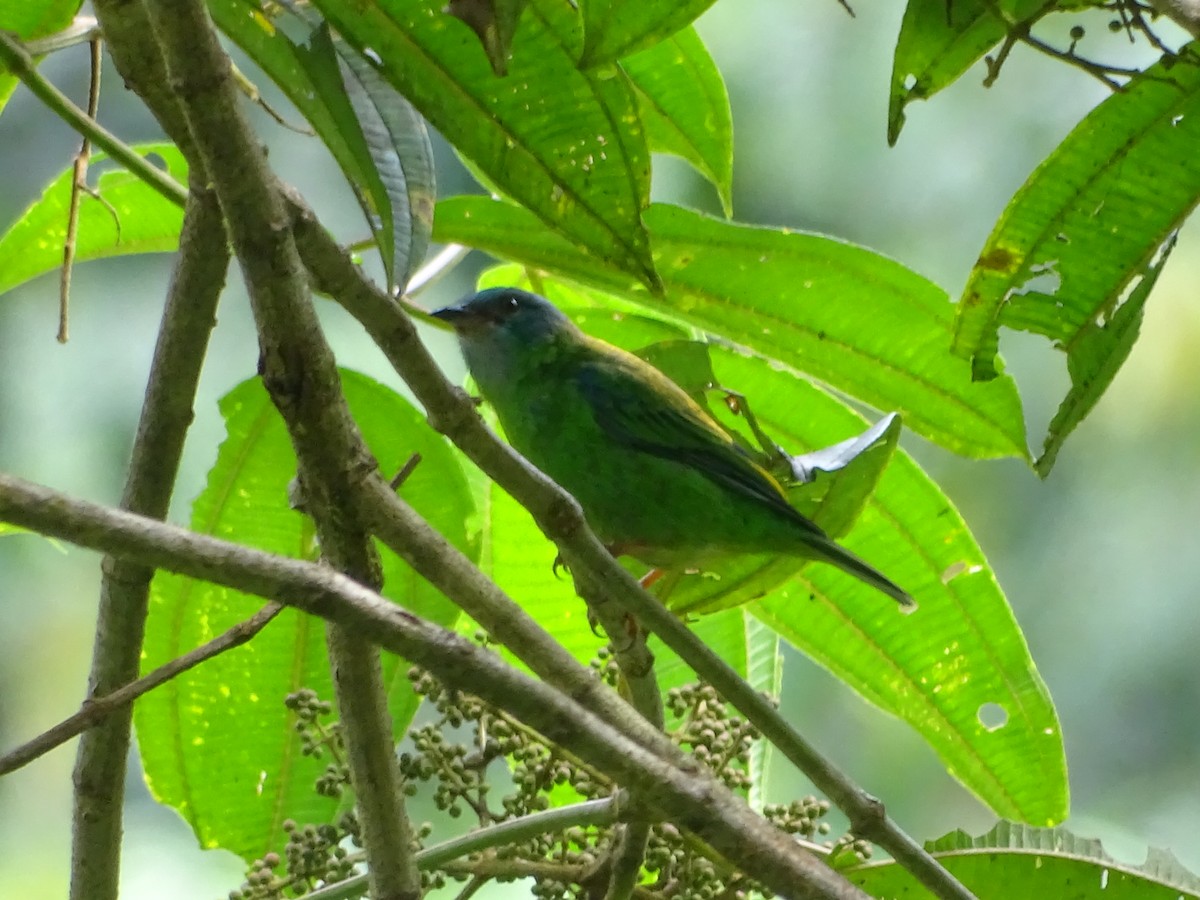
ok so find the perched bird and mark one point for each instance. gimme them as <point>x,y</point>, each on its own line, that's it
<point>658,479</point>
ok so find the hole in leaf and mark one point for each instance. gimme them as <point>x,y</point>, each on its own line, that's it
<point>992,716</point>
<point>954,570</point>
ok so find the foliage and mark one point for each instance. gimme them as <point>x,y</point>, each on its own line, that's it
<point>557,109</point>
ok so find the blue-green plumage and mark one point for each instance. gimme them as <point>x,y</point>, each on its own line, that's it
<point>657,478</point>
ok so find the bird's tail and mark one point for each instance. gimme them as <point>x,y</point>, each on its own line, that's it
<point>827,551</point>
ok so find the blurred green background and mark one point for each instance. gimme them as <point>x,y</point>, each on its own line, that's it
<point>1100,561</point>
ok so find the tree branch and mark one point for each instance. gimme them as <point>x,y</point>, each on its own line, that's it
<point>95,709</point>
<point>100,763</point>
<point>300,374</point>
<point>683,792</point>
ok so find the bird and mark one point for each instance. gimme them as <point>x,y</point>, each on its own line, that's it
<point>657,477</point>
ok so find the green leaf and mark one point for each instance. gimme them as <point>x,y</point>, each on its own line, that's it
<point>1014,860</point>
<point>566,144</point>
<point>685,107</point>
<point>938,667</point>
<point>960,654</point>
<point>510,232</point>
<point>617,28</point>
<point>130,217</point>
<point>29,19</point>
<point>939,40</point>
<point>857,321</point>
<point>1091,220</point>
<point>375,137</point>
<point>1094,359</point>
<point>217,742</point>
<point>400,150</point>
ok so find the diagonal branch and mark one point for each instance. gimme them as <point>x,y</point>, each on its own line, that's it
<point>17,61</point>
<point>677,788</point>
<point>96,708</point>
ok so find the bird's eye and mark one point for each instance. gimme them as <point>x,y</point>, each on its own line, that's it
<point>513,303</point>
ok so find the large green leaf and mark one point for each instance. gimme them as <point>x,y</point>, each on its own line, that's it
<point>1089,222</point>
<point>961,652</point>
<point>377,139</point>
<point>400,150</point>
<point>1014,860</point>
<point>217,742</point>
<point>565,143</point>
<point>940,39</point>
<point>685,107</point>
<point>617,28</point>
<point>126,216</point>
<point>947,668</point>
<point>855,320</point>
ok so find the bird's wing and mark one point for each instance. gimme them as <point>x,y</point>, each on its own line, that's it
<point>643,409</point>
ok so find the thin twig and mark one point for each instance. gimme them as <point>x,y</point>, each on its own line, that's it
<point>17,60</point>
<point>514,831</point>
<point>78,186</point>
<point>1020,31</point>
<point>96,708</point>
<point>405,470</point>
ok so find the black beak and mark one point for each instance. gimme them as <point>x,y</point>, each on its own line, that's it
<point>462,317</point>
<point>450,314</point>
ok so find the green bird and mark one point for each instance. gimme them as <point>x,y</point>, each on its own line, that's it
<point>658,479</point>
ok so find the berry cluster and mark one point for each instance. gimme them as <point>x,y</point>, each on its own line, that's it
<point>471,758</point>
<point>313,854</point>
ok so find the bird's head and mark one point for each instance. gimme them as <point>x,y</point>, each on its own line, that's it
<point>504,332</point>
<point>506,316</point>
